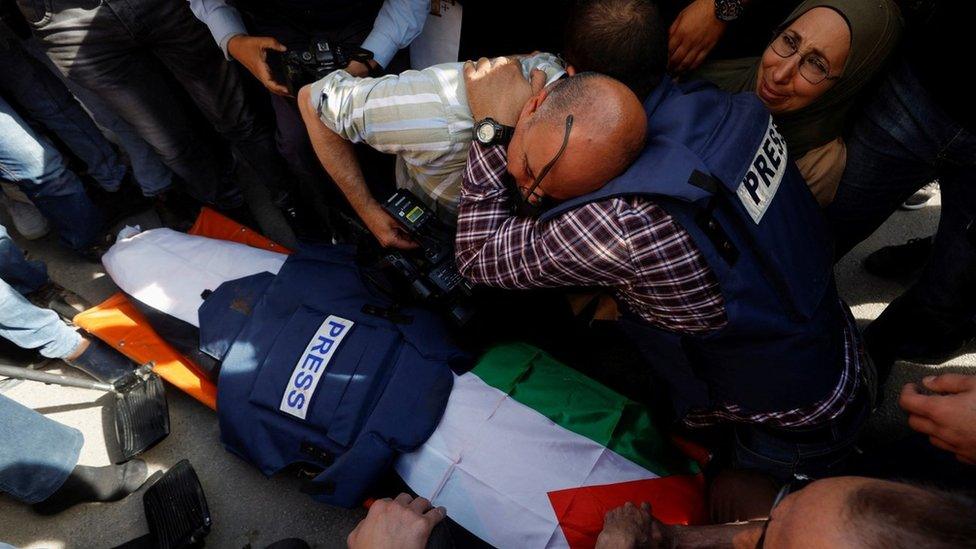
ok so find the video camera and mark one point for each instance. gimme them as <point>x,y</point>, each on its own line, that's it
<point>296,68</point>
<point>430,271</point>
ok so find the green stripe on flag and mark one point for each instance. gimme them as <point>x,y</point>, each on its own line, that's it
<point>581,405</point>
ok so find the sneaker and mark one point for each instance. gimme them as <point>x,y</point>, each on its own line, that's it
<point>921,197</point>
<point>27,219</point>
<point>899,260</point>
<point>124,202</point>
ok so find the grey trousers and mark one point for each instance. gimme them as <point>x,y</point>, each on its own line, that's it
<point>118,50</point>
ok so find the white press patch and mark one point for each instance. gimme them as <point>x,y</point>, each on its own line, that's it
<point>312,364</point>
<point>758,187</point>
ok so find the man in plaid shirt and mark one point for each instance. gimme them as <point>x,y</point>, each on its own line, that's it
<point>668,284</point>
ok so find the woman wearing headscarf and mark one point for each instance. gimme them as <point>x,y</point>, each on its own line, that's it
<point>812,74</point>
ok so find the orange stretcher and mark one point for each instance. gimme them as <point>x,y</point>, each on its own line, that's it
<point>117,322</point>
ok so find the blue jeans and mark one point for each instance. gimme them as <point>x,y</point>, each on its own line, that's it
<point>902,141</point>
<point>21,322</point>
<point>36,453</point>
<point>32,162</point>
<point>148,169</point>
<point>786,454</point>
<point>43,98</point>
<point>25,276</point>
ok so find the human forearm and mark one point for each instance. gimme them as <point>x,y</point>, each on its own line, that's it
<point>718,536</point>
<point>397,24</point>
<point>338,157</point>
<point>223,21</point>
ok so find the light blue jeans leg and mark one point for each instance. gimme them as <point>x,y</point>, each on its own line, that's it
<point>148,170</point>
<point>32,162</point>
<point>31,327</point>
<point>25,276</point>
<point>36,453</point>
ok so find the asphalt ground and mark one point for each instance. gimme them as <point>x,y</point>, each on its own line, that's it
<point>251,510</point>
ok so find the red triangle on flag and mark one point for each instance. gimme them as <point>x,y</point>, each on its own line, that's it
<point>675,499</point>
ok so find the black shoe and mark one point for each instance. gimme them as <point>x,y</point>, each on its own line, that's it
<point>103,362</point>
<point>906,330</point>
<point>177,210</point>
<point>899,260</point>
<point>125,202</point>
<point>94,251</point>
<point>59,299</point>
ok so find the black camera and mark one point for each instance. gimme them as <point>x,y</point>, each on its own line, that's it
<point>296,68</point>
<point>430,271</point>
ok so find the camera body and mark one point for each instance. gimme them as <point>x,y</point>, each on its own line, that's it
<point>430,271</point>
<point>298,67</point>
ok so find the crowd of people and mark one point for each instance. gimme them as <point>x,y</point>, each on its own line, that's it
<point>697,168</point>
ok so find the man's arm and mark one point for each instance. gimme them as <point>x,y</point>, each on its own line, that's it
<point>397,24</point>
<point>223,21</point>
<point>229,32</point>
<point>585,246</point>
<point>339,159</point>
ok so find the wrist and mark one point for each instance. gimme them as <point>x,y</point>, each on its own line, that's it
<point>234,43</point>
<point>727,10</point>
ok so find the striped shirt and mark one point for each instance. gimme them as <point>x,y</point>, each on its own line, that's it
<point>421,116</point>
<point>631,245</point>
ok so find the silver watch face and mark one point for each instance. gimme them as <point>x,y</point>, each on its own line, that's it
<point>486,133</point>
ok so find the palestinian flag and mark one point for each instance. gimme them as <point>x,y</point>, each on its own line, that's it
<point>531,453</point>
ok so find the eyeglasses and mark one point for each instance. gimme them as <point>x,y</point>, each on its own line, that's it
<point>545,169</point>
<point>795,485</point>
<point>813,67</point>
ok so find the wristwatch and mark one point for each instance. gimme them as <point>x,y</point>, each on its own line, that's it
<point>489,132</point>
<point>728,10</point>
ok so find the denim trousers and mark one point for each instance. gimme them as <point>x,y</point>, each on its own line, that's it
<point>32,162</point>
<point>118,49</point>
<point>902,141</point>
<point>21,322</point>
<point>786,454</point>
<point>43,99</point>
<point>152,176</point>
<point>36,453</point>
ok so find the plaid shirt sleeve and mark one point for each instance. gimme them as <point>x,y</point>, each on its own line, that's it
<point>584,246</point>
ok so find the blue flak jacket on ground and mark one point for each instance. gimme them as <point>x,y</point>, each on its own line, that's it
<point>308,377</point>
<point>716,163</point>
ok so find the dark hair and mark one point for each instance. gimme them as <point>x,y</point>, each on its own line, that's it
<point>625,39</point>
<point>887,516</point>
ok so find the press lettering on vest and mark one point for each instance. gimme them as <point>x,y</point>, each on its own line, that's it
<point>312,364</point>
<point>759,185</point>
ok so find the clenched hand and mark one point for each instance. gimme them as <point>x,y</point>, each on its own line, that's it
<point>497,88</point>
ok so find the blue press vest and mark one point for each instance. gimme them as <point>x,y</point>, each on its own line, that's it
<point>315,372</point>
<point>716,164</point>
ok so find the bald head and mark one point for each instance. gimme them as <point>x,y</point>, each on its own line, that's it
<point>607,134</point>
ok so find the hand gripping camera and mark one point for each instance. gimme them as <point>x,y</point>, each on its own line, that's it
<point>430,271</point>
<point>296,68</point>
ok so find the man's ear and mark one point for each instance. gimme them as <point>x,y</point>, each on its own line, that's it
<point>533,104</point>
<point>571,70</point>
